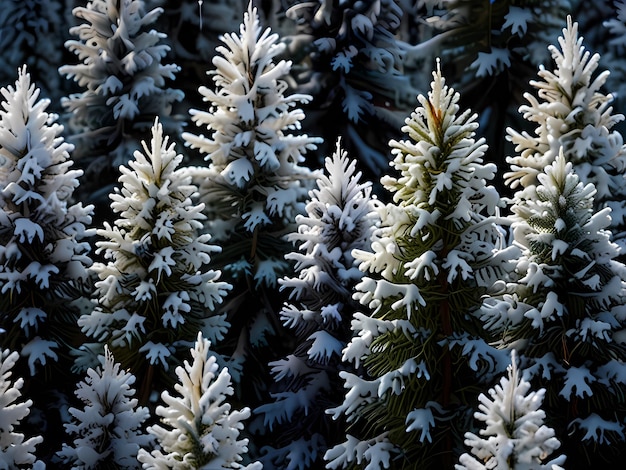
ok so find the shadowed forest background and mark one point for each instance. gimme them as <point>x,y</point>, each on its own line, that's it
<point>312,234</point>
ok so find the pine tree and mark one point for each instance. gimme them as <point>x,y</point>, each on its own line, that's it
<point>202,432</point>
<point>435,256</point>
<point>340,217</point>
<point>15,451</point>
<point>572,113</point>
<point>254,185</point>
<point>155,291</point>
<point>106,432</point>
<point>43,260</point>
<point>567,313</point>
<point>125,88</point>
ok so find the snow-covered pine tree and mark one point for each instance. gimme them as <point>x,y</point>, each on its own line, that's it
<point>514,434</point>
<point>254,185</point>
<point>567,310</point>
<point>340,217</point>
<point>107,431</point>
<point>202,431</point>
<point>573,114</point>
<point>434,258</point>
<point>125,85</point>
<point>43,260</point>
<point>15,451</point>
<point>156,291</point>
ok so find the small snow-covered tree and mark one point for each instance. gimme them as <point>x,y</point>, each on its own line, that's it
<point>573,115</point>
<point>106,432</point>
<point>435,256</point>
<point>125,85</point>
<point>515,436</point>
<point>202,432</point>
<point>155,291</point>
<point>15,451</point>
<point>567,312</point>
<point>254,185</point>
<point>340,217</point>
<point>43,255</point>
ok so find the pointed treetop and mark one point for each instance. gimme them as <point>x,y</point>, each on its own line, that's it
<point>570,111</point>
<point>442,161</point>
<point>201,428</point>
<point>25,124</point>
<point>514,436</point>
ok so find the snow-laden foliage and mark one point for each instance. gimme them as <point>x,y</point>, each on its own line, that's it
<point>514,436</point>
<point>23,24</point>
<point>107,431</point>
<point>201,430</point>
<point>434,257</point>
<point>43,258</point>
<point>572,113</point>
<point>567,310</point>
<point>15,450</point>
<point>352,61</point>
<point>340,217</point>
<point>254,185</point>
<point>125,87</point>
<point>155,291</point>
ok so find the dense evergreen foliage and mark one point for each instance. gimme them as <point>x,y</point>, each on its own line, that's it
<point>253,187</point>
<point>350,309</point>
<point>422,346</point>
<point>155,291</point>
<point>340,218</point>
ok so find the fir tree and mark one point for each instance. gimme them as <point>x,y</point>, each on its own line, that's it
<point>573,114</point>
<point>340,218</point>
<point>43,260</point>
<point>125,88</point>
<point>431,262</point>
<point>515,436</point>
<point>254,185</point>
<point>155,291</point>
<point>567,312</point>
<point>15,451</point>
<point>106,432</point>
<point>202,432</point>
